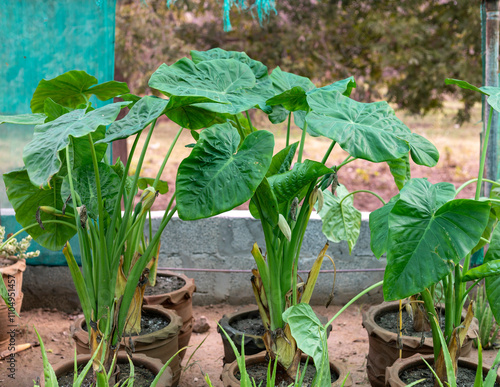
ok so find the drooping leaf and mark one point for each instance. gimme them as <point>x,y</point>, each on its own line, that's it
<point>400,170</point>
<point>26,198</point>
<point>493,96</point>
<point>41,155</point>
<point>145,111</point>
<point>145,182</point>
<point>289,184</point>
<point>422,151</point>
<point>492,222</point>
<point>217,176</point>
<point>292,100</point>
<point>53,110</point>
<point>84,183</point>
<point>463,85</point>
<point>290,90</point>
<point>492,283</point>
<point>341,222</point>
<point>379,227</point>
<point>185,113</point>
<point>23,119</point>
<point>74,88</point>
<point>343,86</point>
<point>369,131</point>
<point>282,160</point>
<point>228,83</point>
<point>278,114</point>
<point>427,238</point>
<point>265,199</point>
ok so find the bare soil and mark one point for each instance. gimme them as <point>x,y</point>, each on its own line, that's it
<point>347,343</point>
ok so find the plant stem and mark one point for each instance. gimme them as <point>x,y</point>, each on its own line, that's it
<point>288,128</point>
<point>483,156</point>
<point>160,171</point>
<point>347,160</point>
<point>239,127</point>
<point>353,300</point>
<point>429,307</point>
<point>303,139</point>
<point>250,122</point>
<point>472,181</point>
<point>362,190</point>
<point>328,152</point>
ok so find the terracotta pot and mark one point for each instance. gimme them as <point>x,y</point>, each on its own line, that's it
<point>392,373</point>
<point>383,350</point>
<point>230,369</point>
<point>162,344</point>
<point>180,300</point>
<point>253,344</point>
<point>12,276</point>
<point>154,365</point>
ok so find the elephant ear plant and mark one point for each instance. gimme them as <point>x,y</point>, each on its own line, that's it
<point>284,200</point>
<point>427,232</point>
<point>68,187</point>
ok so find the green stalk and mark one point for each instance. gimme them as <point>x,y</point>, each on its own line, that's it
<point>483,158</point>
<point>303,139</point>
<point>250,122</point>
<point>241,131</point>
<point>288,128</point>
<point>328,152</point>
<point>160,171</point>
<point>362,190</point>
<point>449,309</point>
<point>347,160</point>
<point>473,181</point>
<point>429,307</point>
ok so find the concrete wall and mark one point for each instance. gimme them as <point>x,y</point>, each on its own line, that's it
<point>224,242</point>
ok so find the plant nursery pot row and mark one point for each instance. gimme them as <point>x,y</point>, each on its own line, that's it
<point>140,362</point>
<point>229,378</point>
<point>415,363</point>
<point>180,300</point>
<point>247,325</point>
<point>383,344</point>
<point>161,345</point>
<point>12,275</point>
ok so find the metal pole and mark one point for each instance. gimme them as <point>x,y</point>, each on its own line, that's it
<point>491,36</point>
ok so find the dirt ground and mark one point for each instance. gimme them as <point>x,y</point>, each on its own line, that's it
<point>348,343</point>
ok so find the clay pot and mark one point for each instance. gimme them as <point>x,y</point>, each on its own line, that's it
<point>162,344</point>
<point>383,349</point>
<point>12,276</point>
<point>253,344</point>
<point>180,300</point>
<point>154,365</point>
<point>230,369</point>
<point>392,373</point>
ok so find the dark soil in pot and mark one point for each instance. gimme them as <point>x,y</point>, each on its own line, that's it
<point>259,373</point>
<point>465,377</point>
<point>390,322</point>
<point>165,284</point>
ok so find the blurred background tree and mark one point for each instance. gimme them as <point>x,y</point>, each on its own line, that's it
<point>397,50</point>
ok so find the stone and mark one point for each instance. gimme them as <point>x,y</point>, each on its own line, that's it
<point>201,325</point>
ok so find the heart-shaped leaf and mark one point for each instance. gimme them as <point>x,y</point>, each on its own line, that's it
<point>185,112</point>
<point>341,221</point>
<point>41,155</point>
<point>290,90</point>
<point>289,184</point>
<point>379,227</point>
<point>74,88</point>
<point>217,176</point>
<point>53,110</point>
<point>84,183</point>
<point>26,198</point>
<point>226,82</point>
<point>367,131</point>
<point>145,111</point>
<point>427,238</point>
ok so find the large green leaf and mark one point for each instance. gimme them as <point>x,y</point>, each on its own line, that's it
<point>26,198</point>
<point>290,90</point>
<point>289,184</point>
<point>379,227</point>
<point>84,183</point>
<point>427,238</point>
<point>185,113</point>
<point>24,119</point>
<point>265,200</point>
<point>493,283</point>
<point>369,131</point>
<point>53,110</point>
<point>41,155</point>
<point>311,339</point>
<point>341,222</point>
<point>292,100</point>
<point>422,151</point>
<point>217,176</point>
<point>74,88</point>
<point>343,86</point>
<point>228,83</point>
<point>145,111</point>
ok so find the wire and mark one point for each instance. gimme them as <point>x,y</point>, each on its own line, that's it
<point>249,271</point>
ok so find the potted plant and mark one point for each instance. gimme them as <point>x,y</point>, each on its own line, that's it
<point>426,232</point>
<point>68,186</point>
<point>286,196</point>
